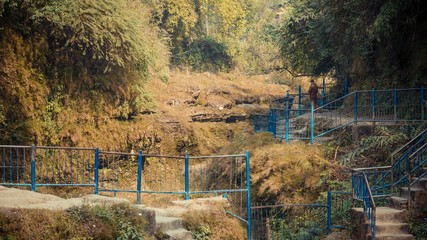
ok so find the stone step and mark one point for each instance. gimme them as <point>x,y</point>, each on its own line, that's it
<point>392,228</point>
<point>399,203</point>
<point>178,234</point>
<point>394,236</point>
<point>404,192</point>
<point>421,184</point>
<point>387,214</point>
<point>164,224</point>
<point>200,203</point>
<point>169,212</point>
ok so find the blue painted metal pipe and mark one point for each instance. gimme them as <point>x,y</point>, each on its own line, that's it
<point>33,168</point>
<point>96,177</point>
<point>312,124</point>
<point>138,186</point>
<point>187,177</point>
<point>248,200</point>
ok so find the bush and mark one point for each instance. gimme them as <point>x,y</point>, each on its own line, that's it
<point>209,55</point>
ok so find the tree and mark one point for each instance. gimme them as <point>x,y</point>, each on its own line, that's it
<point>360,37</point>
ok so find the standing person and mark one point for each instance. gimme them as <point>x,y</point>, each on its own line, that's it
<point>312,92</point>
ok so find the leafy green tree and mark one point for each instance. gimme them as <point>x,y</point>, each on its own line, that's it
<point>177,17</point>
<point>102,35</point>
<point>381,39</point>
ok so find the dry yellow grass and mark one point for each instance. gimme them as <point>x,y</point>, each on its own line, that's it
<point>289,173</point>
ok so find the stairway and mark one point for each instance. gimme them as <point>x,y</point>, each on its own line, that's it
<point>171,228</point>
<point>390,225</point>
<point>390,221</point>
<point>167,223</point>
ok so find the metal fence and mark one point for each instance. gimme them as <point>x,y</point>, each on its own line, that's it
<point>393,105</point>
<point>362,192</point>
<point>339,206</point>
<point>291,221</point>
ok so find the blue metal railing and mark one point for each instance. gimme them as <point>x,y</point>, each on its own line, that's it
<point>362,192</point>
<point>289,221</point>
<point>400,159</point>
<point>339,206</point>
<point>105,172</point>
<point>408,162</point>
<point>393,105</point>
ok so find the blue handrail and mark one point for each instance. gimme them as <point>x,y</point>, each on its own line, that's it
<point>362,192</point>
<point>392,105</point>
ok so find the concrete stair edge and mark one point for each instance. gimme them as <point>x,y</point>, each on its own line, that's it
<point>179,234</point>
<point>168,223</point>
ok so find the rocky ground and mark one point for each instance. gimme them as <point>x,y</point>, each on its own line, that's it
<point>16,198</point>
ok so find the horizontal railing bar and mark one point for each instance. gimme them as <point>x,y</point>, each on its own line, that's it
<point>119,153</point>
<point>370,168</point>
<point>16,184</point>
<point>218,191</point>
<point>65,148</point>
<point>65,184</point>
<point>217,156</point>
<point>164,192</point>
<point>162,156</point>
<point>290,205</point>
<point>14,146</point>
<point>117,190</point>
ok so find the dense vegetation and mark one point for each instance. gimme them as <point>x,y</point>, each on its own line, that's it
<point>79,222</point>
<point>374,43</point>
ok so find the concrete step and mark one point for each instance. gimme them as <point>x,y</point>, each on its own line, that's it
<point>392,228</point>
<point>164,224</point>
<point>399,203</point>
<point>393,237</point>
<point>178,234</point>
<point>200,203</point>
<point>404,192</point>
<point>421,184</point>
<point>169,212</point>
<point>387,214</point>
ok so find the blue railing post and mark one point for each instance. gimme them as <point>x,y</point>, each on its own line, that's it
<point>287,125</point>
<point>373,104</point>
<point>395,103</point>
<point>248,200</point>
<point>422,103</point>
<point>355,107</point>
<point>187,177</point>
<point>96,171</point>
<point>33,168</point>
<point>312,124</point>
<point>329,212</point>
<point>138,187</point>
<point>299,100</point>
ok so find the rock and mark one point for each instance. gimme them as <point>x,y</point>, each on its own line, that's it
<point>228,118</point>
